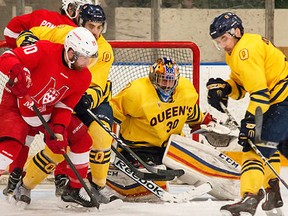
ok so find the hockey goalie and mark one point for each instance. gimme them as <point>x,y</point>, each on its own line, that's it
<point>151,111</point>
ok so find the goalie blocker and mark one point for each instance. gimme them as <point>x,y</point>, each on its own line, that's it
<point>201,164</point>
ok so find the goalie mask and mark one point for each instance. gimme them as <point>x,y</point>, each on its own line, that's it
<point>74,6</point>
<point>84,45</point>
<point>164,75</point>
<point>93,13</point>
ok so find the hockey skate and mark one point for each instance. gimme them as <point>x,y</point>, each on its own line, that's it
<point>105,196</point>
<point>14,177</point>
<point>75,198</point>
<point>247,205</point>
<point>61,182</point>
<point>273,202</point>
<point>22,195</point>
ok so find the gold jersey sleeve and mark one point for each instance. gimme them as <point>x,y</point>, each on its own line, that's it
<point>100,71</point>
<point>259,68</point>
<point>55,35</point>
<point>146,120</point>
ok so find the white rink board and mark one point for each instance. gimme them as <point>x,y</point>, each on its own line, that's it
<point>237,108</point>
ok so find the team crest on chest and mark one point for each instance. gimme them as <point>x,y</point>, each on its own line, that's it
<point>244,54</point>
<point>49,94</point>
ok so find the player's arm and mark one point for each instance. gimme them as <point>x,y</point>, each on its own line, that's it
<point>99,89</point>
<point>256,84</point>
<point>237,91</point>
<point>14,27</point>
<point>17,65</point>
<point>55,35</point>
<point>122,104</point>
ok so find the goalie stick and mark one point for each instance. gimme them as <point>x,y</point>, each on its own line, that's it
<point>131,169</point>
<point>258,131</point>
<point>48,129</point>
<point>174,173</point>
<point>160,192</point>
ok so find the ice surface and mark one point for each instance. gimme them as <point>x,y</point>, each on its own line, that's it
<point>44,204</point>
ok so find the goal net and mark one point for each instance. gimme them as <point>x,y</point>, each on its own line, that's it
<point>132,60</point>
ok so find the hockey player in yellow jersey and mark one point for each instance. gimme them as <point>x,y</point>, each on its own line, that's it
<point>259,69</point>
<point>150,111</point>
<point>147,121</point>
<point>97,96</point>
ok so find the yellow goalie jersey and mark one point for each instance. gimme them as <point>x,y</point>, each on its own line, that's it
<point>100,70</point>
<point>259,68</point>
<point>146,120</point>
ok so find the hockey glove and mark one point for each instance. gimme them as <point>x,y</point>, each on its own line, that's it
<point>58,145</point>
<point>26,38</point>
<point>19,80</point>
<point>247,131</point>
<point>86,102</point>
<point>206,120</point>
<point>218,91</point>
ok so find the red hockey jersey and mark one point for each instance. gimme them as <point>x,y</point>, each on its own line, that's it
<point>40,17</point>
<point>55,89</point>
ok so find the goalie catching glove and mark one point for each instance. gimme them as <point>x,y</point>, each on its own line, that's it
<point>58,145</point>
<point>218,91</point>
<point>216,133</point>
<point>206,120</point>
<point>19,80</point>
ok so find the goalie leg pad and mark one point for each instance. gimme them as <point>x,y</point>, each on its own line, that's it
<point>128,189</point>
<point>203,164</point>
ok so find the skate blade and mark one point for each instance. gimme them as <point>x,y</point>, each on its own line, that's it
<point>9,198</point>
<point>114,205</point>
<point>228,213</point>
<point>225,213</point>
<point>74,206</point>
<point>275,212</point>
<point>19,205</point>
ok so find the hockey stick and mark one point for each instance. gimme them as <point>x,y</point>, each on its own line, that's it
<point>173,173</point>
<point>50,132</point>
<point>258,131</point>
<point>160,192</point>
<point>138,173</point>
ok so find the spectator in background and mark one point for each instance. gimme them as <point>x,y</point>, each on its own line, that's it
<point>187,4</point>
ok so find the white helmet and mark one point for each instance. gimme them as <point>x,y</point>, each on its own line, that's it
<point>76,4</point>
<point>83,43</point>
